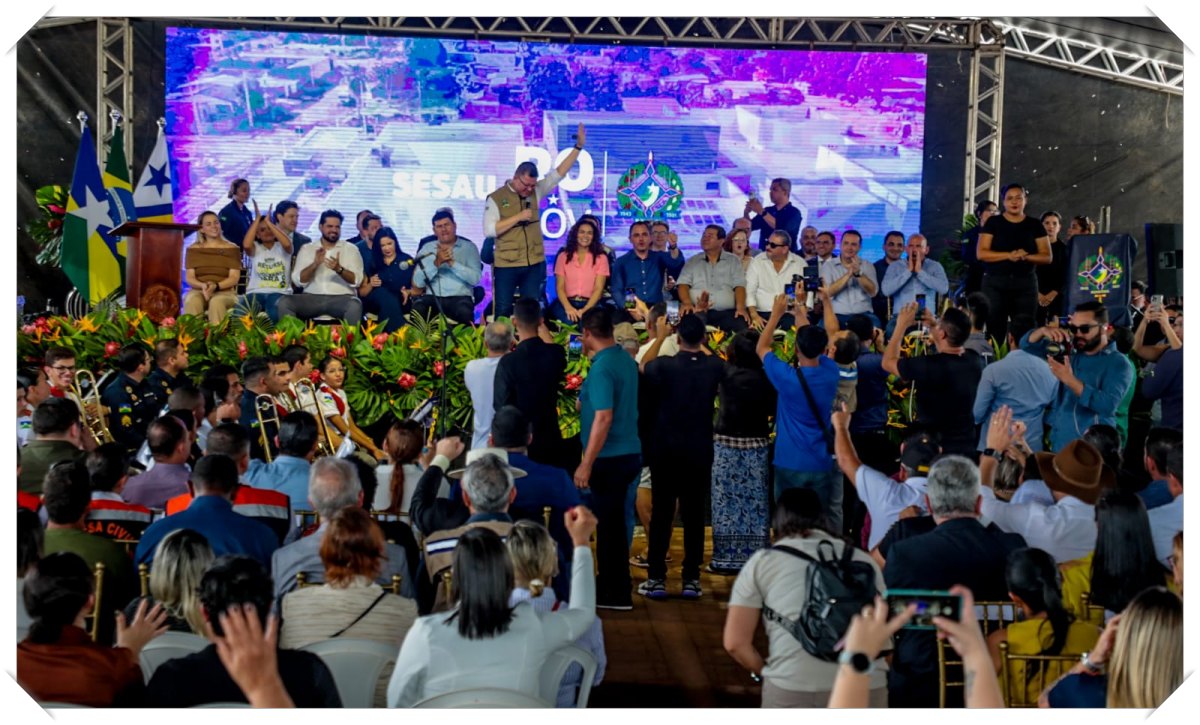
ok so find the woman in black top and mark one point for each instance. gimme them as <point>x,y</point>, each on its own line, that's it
<point>984,210</point>
<point>1010,246</point>
<point>1052,277</point>
<point>740,457</point>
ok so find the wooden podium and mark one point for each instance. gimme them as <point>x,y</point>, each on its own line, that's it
<point>153,264</point>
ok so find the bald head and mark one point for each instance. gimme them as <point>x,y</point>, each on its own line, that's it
<point>498,337</point>
<point>332,486</point>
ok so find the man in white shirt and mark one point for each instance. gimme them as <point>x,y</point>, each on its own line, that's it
<point>1166,521</point>
<point>768,274</point>
<point>480,377</point>
<point>1076,477</point>
<point>330,273</point>
<point>850,281</point>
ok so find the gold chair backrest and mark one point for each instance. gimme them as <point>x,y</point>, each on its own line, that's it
<point>447,579</point>
<point>129,544</point>
<point>1017,684</point>
<point>144,579</point>
<point>1004,613</point>
<point>94,628</point>
<point>303,518</point>
<point>395,585</point>
<point>1093,613</point>
<point>302,580</point>
<point>546,516</point>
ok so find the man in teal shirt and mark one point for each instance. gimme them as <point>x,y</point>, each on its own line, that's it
<point>612,452</point>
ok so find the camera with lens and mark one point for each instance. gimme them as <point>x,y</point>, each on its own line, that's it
<point>1058,350</point>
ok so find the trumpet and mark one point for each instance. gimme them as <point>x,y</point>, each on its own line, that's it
<point>273,416</point>
<point>325,445</point>
<point>91,407</point>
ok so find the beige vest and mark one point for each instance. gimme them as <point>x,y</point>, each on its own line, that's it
<point>439,556</point>
<point>522,245</point>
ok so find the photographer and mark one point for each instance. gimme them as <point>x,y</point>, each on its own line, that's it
<point>1165,380</point>
<point>1093,376</point>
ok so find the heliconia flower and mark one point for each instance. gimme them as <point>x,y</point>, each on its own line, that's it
<point>168,322</point>
<point>336,335</point>
<point>574,382</point>
<point>56,209</point>
<point>41,323</point>
<point>242,350</point>
<point>338,352</point>
<point>439,368</point>
<point>54,224</point>
<point>377,343</point>
<point>29,329</point>
<point>111,349</point>
<point>406,381</point>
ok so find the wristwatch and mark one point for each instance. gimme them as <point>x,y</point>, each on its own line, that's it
<point>998,455</point>
<point>1090,666</point>
<point>755,677</point>
<point>858,661</point>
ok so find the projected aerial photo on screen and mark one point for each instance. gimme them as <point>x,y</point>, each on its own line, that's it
<point>403,126</point>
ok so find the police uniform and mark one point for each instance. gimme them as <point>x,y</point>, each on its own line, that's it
<point>131,406</point>
<point>164,384</point>
<point>250,420</point>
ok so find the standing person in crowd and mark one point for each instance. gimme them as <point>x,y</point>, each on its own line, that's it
<point>741,463</point>
<point>1020,381</point>
<point>580,272</point>
<point>480,379</point>
<point>1159,443</point>
<point>270,274</point>
<point>612,453</point>
<point>850,281</point>
<point>131,400</point>
<point>984,211</point>
<point>1166,521</point>
<point>1093,376</point>
<point>59,432</point>
<point>235,217</point>
<point>680,391</point>
<point>330,273</point>
<point>824,251</point>
<point>893,250</point>
<point>386,289</point>
<point>1011,245</point>
<point>713,284</point>
<point>781,215</point>
<point>529,378</point>
<point>513,217</point>
<point>768,274</point>
<point>171,446</point>
<point>918,276</point>
<point>1137,294</point>
<point>977,309</point>
<point>32,389</point>
<point>367,223</point>
<point>1165,381</point>
<point>966,553</point>
<point>808,243</point>
<point>287,220</point>
<point>180,561</point>
<point>170,362</point>
<point>644,270</point>
<point>213,265</point>
<point>335,406</point>
<point>803,443</point>
<point>948,378</point>
<point>661,236</point>
<point>1052,278</point>
<point>737,243</point>
<point>264,376</point>
<point>868,426</point>
<point>448,267</point>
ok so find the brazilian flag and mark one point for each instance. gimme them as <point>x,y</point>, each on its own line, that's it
<point>89,254</point>
<point>120,191</point>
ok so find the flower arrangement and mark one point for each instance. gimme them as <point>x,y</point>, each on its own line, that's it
<point>47,229</point>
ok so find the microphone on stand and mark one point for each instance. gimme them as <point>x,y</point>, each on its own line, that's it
<point>416,260</point>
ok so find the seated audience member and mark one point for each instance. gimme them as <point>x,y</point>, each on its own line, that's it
<point>288,472</point>
<point>1159,443</point>
<point>397,478</point>
<point>850,281</point>
<point>1165,381</point>
<point>523,379</point>
<point>1022,382</point>
<point>1122,564</point>
<point>1166,521</point>
<point>211,515</point>
<point>885,497</point>
<point>108,514</point>
<point>350,603</point>
<point>1045,626</point>
<point>58,661</point>
<point>29,551</point>
<point>485,641</point>
<point>775,580</point>
<point>330,272</point>
<point>269,251</point>
<point>201,678</point>
<point>768,274</point>
<point>644,270</point>
<point>1142,651</point>
<point>480,379</point>
<point>713,284</point>
<point>213,265</point>
<point>806,391</point>
<point>950,378</point>
<point>265,376</point>
<point>333,486</point>
<point>171,445</point>
<point>535,562</point>
<point>170,360</point>
<point>976,307</point>
<point>66,499</point>
<point>581,272</point>
<point>737,243</point>
<point>59,431</point>
<point>1093,379</point>
<point>387,284</point>
<point>967,554</point>
<point>180,561</point>
<point>447,268</point>
<point>335,406</point>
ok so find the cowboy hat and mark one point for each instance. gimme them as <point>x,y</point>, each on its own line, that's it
<point>1077,470</point>
<point>476,453</point>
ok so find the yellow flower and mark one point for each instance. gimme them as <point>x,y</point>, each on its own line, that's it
<point>369,329</point>
<point>402,333</point>
<point>184,339</point>
<point>137,320</point>
<point>87,325</point>
<point>149,341</point>
<point>247,321</point>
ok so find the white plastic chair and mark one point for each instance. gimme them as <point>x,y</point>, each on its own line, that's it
<point>356,666</point>
<point>168,646</point>
<point>556,667</point>
<point>483,698</point>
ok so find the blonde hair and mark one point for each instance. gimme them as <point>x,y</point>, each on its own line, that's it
<point>180,561</point>
<point>1147,657</point>
<point>534,555</point>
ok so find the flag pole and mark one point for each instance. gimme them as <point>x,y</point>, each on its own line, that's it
<point>82,117</point>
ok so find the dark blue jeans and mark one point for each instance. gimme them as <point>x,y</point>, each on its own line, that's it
<point>827,484</point>
<point>387,306</point>
<point>610,482</point>
<point>510,282</point>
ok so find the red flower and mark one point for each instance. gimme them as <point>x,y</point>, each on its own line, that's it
<point>337,335</point>
<point>439,368</point>
<point>168,322</point>
<point>242,350</point>
<point>574,381</point>
<point>111,349</point>
<point>315,376</point>
<point>54,223</point>
<point>42,324</point>
<point>377,343</point>
<point>338,352</point>
<point>407,381</point>
<point>29,329</point>
<point>56,209</point>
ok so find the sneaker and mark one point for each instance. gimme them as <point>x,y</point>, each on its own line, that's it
<point>692,590</point>
<point>653,589</point>
<point>616,607</point>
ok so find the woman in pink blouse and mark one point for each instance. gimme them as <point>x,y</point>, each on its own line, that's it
<point>579,274</point>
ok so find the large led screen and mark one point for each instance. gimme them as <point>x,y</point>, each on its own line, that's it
<point>404,126</point>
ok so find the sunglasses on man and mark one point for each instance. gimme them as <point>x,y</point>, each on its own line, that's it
<point>1085,329</point>
<point>773,245</point>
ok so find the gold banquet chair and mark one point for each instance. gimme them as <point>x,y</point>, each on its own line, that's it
<point>992,616</point>
<point>1093,613</point>
<point>144,578</point>
<point>98,591</point>
<point>1022,689</point>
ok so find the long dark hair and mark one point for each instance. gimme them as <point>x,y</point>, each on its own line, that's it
<point>1032,575</point>
<point>1124,562</point>
<point>482,584</point>
<point>406,438</point>
<point>742,351</point>
<point>55,591</point>
<point>572,244</point>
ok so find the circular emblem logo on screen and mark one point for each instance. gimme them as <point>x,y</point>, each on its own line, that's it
<point>159,301</point>
<point>650,190</point>
<point>1100,274</point>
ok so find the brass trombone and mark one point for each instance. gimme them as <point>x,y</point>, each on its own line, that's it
<point>90,407</point>
<point>325,444</point>
<point>262,423</point>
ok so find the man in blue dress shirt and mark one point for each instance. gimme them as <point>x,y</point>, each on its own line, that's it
<point>1021,381</point>
<point>780,216</point>
<point>917,276</point>
<point>288,472</point>
<point>448,268</point>
<point>643,269</point>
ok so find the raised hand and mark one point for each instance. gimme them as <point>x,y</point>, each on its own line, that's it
<point>580,523</point>
<point>451,447</point>
<point>580,136</point>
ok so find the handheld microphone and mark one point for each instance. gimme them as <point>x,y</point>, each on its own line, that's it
<point>528,202</point>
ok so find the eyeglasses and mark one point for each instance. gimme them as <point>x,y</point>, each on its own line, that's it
<point>773,245</point>
<point>63,368</point>
<point>1085,329</point>
<point>1171,320</point>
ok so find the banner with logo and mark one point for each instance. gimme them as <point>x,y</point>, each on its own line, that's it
<point>1101,269</point>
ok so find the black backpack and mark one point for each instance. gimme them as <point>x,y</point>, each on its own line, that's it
<point>836,590</point>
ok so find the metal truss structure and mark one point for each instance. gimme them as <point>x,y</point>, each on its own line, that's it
<point>985,118</point>
<point>114,80</point>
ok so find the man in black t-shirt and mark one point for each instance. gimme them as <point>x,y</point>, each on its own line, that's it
<point>945,382</point>
<point>1010,245</point>
<point>530,377</point>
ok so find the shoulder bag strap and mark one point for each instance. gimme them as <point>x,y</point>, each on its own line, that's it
<point>359,618</point>
<point>812,406</point>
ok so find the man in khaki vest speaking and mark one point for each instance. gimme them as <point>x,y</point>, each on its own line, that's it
<point>513,217</point>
